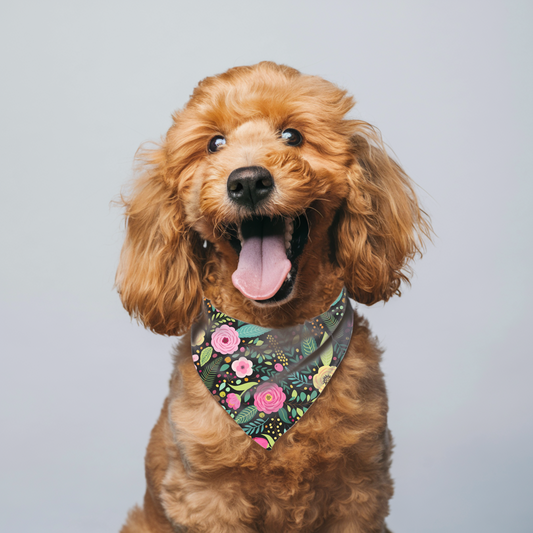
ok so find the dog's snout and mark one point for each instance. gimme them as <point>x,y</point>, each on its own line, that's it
<point>248,186</point>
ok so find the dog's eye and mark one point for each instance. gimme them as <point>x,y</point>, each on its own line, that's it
<point>292,137</point>
<point>215,143</point>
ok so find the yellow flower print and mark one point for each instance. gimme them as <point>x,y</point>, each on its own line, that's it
<point>321,379</point>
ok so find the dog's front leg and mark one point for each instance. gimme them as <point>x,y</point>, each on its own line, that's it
<point>212,524</point>
<point>213,506</point>
<point>214,529</point>
<point>349,526</point>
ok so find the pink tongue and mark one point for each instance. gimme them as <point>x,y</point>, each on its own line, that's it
<point>263,267</point>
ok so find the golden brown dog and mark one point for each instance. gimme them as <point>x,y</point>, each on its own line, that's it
<point>297,159</point>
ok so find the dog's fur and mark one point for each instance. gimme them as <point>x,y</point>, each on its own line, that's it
<point>330,472</point>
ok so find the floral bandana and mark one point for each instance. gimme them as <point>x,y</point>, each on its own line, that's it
<point>266,379</point>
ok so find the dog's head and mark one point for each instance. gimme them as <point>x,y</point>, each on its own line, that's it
<point>263,196</point>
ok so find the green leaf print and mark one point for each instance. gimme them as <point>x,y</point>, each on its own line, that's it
<point>327,354</point>
<point>210,372</point>
<point>255,427</point>
<point>284,416</point>
<point>270,440</point>
<point>299,380</point>
<point>246,414</point>
<point>244,386</point>
<point>330,321</point>
<point>286,387</point>
<point>205,355</point>
<point>308,346</point>
<point>250,330</point>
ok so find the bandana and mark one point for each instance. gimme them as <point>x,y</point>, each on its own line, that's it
<point>266,379</point>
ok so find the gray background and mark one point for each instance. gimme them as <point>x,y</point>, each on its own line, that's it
<point>85,83</point>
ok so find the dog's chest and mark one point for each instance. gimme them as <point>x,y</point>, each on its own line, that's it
<point>275,491</point>
<point>214,467</point>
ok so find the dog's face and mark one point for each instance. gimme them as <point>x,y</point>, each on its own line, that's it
<point>268,177</point>
<point>263,195</point>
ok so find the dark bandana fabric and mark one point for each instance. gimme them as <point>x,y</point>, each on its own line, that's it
<point>266,379</point>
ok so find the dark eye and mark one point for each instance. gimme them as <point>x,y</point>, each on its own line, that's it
<point>215,143</point>
<point>292,137</point>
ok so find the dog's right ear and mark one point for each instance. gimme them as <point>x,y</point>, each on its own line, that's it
<point>159,274</point>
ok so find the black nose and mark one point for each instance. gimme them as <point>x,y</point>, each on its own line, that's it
<point>247,186</point>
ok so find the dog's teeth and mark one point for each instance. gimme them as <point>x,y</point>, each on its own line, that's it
<point>289,229</point>
<point>288,278</point>
<point>289,226</point>
<point>205,244</point>
<point>239,235</point>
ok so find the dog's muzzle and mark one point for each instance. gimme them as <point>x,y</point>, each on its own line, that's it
<point>268,247</point>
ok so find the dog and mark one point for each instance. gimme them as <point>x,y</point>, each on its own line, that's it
<point>265,148</point>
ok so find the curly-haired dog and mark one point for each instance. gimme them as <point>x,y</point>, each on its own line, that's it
<point>267,149</point>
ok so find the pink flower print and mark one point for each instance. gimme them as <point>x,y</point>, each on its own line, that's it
<point>195,357</point>
<point>234,401</point>
<point>278,367</point>
<point>225,339</point>
<point>261,441</point>
<point>242,367</point>
<point>269,398</point>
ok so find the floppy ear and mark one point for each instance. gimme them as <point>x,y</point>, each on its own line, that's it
<point>380,226</point>
<point>158,277</point>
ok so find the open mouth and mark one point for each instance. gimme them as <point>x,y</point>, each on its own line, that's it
<point>268,250</point>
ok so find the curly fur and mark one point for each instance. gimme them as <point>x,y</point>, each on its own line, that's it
<point>330,472</point>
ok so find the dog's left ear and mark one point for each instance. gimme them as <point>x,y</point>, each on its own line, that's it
<point>381,226</point>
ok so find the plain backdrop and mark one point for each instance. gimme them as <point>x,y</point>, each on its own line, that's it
<point>450,85</point>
